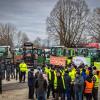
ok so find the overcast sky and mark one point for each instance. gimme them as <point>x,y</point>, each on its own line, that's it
<point>30,15</point>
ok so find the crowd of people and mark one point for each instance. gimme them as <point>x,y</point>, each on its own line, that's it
<point>17,71</point>
<point>8,70</point>
<point>70,83</point>
<point>64,83</point>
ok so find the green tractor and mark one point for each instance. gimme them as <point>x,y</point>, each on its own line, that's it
<point>41,56</point>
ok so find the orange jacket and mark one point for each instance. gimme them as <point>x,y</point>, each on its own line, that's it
<point>89,87</point>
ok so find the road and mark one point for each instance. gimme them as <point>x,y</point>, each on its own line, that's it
<point>17,91</point>
<point>14,86</point>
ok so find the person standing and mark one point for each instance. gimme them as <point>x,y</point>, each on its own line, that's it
<point>12,70</point>
<point>3,68</point>
<point>0,79</point>
<point>67,79</point>
<point>88,87</point>
<point>59,86</point>
<point>23,70</point>
<point>8,71</point>
<point>96,85</point>
<point>84,74</point>
<point>31,82</point>
<point>17,70</point>
<point>51,83</point>
<point>78,86</point>
<point>41,87</point>
<point>36,77</point>
<point>72,73</point>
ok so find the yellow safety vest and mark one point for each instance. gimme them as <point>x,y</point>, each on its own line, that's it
<point>96,84</point>
<point>63,82</point>
<point>23,67</point>
<point>49,73</point>
<point>55,81</point>
<point>66,69</point>
<point>87,72</point>
<point>81,70</point>
<point>62,72</point>
<point>72,75</point>
<point>46,70</point>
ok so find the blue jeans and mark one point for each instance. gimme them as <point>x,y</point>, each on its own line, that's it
<point>68,93</point>
<point>41,97</point>
<point>78,95</point>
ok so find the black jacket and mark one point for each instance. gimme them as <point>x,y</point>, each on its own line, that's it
<point>67,80</point>
<point>31,79</point>
<point>60,87</point>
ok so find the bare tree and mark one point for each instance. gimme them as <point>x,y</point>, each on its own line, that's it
<point>94,26</point>
<point>24,38</point>
<point>7,32</point>
<point>21,38</point>
<point>37,42</point>
<point>18,39</point>
<point>67,22</point>
<point>10,36</point>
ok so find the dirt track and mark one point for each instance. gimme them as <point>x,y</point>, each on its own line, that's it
<point>17,91</point>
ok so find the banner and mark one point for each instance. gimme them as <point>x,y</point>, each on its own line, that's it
<point>97,65</point>
<point>79,60</point>
<point>93,45</point>
<point>61,61</point>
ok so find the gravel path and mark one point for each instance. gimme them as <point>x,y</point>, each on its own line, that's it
<point>17,91</point>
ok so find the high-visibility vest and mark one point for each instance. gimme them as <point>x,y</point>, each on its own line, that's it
<point>87,72</point>
<point>66,69</point>
<point>89,87</point>
<point>63,82</point>
<point>62,72</point>
<point>55,81</point>
<point>81,70</point>
<point>96,84</point>
<point>49,75</point>
<point>46,70</point>
<point>23,67</point>
<point>72,75</point>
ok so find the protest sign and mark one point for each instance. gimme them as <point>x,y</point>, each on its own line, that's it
<point>80,60</point>
<point>61,61</point>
